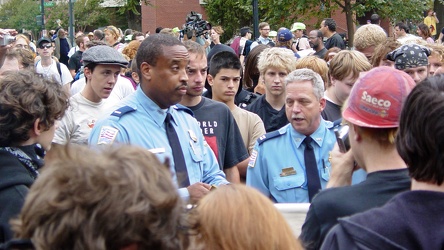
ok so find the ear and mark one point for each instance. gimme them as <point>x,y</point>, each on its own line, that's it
<point>37,128</point>
<point>357,133</point>
<point>87,72</point>
<point>146,71</point>
<point>322,103</point>
<point>332,81</point>
<point>210,79</point>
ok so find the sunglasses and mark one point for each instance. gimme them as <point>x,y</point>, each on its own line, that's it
<point>45,46</point>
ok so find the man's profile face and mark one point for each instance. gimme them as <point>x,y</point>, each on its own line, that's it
<point>398,32</point>
<point>197,73</point>
<point>302,108</point>
<point>435,63</point>
<point>323,28</point>
<point>418,74</point>
<point>166,83</point>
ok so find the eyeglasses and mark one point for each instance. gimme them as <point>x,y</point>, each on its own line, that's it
<point>45,46</point>
<point>312,37</point>
<point>265,29</point>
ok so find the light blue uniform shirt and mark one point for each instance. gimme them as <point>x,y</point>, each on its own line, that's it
<point>277,166</point>
<point>142,122</point>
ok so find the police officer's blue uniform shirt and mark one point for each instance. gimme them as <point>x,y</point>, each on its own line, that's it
<point>277,166</point>
<point>141,122</point>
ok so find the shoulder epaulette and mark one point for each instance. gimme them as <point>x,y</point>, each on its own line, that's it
<point>123,110</point>
<point>270,135</point>
<point>332,125</point>
<point>180,107</point>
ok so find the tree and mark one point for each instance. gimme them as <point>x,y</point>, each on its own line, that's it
<point>20,14</point>
<point>86,13</point>
<point>231,15</point>
<point>283,13</point>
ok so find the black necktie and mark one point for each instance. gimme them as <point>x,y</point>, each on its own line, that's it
<point>311,169</point>
<point>179,160</point>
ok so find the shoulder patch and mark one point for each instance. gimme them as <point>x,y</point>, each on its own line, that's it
<point>253,158</point>
<point>107,135</point>
<point>122,111</point>
<point>269,136</point>
<point>180,107</point>
<point>332,125</point>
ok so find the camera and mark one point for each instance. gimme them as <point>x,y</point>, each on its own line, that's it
<point>7,39</point>
<point>195,25</point>
<point>342,138</point>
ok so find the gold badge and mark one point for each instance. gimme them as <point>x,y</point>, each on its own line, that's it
<point>287,172</point>
<point>192,135</point>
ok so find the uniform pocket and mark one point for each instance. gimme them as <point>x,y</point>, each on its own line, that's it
<point>289,182</point>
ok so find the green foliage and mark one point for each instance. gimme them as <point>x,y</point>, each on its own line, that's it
<point>20,14</point>
<point>231,15</point>
<point>86,13</point>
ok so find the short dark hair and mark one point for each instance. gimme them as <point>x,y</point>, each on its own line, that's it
<point>244,31</point>
<point>26,96</point>
<point>402,26</point>
<point>99,34</point>
<point>136,34</point>
<point>224,60</point>
<point>330,23</point>
<point>79,39</point>
<point>152,48</point>
<point>158,29</point>
<point>374,19</point>
<point>420,140</point>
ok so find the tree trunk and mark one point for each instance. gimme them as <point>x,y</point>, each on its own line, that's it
<point>134,20</point>
<point>350,22</point>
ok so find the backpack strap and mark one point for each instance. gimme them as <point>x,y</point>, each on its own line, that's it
<point>60,71</point>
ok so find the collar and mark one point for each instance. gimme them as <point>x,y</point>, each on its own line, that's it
<point>317,136</point>
<point>153,110</point>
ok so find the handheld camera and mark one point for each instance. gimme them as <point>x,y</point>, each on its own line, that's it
<point>342,138</point>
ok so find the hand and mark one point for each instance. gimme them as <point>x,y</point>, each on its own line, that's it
<point>342,168</point>
<point>198,190</point>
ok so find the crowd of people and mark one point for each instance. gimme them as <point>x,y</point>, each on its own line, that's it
<point>132,141</point>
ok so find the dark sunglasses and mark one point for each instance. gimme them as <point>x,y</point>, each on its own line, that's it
<point>47,46</point>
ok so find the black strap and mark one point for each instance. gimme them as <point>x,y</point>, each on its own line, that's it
<point>179,160</point>
<point>311,169</point>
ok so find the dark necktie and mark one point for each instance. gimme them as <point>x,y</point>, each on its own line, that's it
<point>179,160</point>
<point>311,169</point>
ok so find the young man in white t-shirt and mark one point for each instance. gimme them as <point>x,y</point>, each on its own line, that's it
<point>102,66</point>
<point>48,66</point>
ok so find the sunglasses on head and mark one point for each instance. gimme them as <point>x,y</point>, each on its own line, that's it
<point>47,46</point>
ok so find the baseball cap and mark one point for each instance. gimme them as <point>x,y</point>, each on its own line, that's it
<point>297,26</point>
<point>284,35</point>
<point>103,54</point>
<point>376,98</point>
<point>409,56</point>
<point>42,41</point>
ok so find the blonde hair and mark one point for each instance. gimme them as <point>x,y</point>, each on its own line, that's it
<point>383,49</point>
<point>86,199</point>
<point>239,217</point>
<point>316,64</point>
<point>113,31</point>
<point>218,29</point>
<point>276,57</point>
<point>369,35</point>
<point>437,50</point>
<point>348,62</point>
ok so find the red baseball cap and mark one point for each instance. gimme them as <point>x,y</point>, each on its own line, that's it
<point>376,98</point>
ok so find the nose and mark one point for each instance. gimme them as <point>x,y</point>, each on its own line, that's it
<point>183,76</point>
<point>296,108</point>
<point>416,77</point>
<point>230,84</point>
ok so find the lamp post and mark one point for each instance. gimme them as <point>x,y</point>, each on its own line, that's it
<point>42,12</point>
<point>255,19</point>
<point>71,22</point>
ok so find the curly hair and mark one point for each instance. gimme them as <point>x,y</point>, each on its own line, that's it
<point>131,49</point>
<point>107,199</point>
<point>26,96</point>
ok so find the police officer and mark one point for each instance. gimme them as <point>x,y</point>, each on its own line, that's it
<point>278,165</point>
<point>162,61</point>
